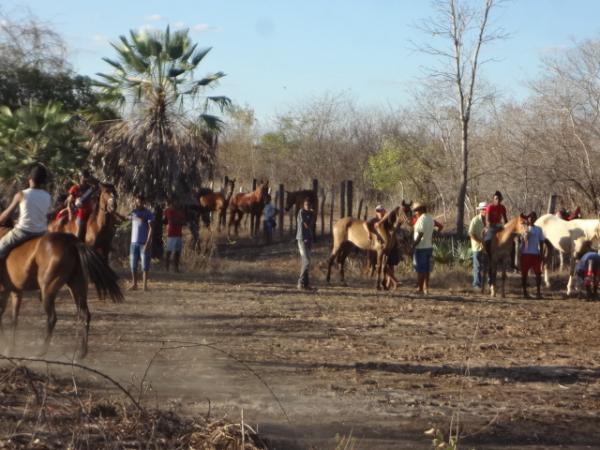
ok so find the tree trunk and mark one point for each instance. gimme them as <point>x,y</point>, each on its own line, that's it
<point>462,192</point>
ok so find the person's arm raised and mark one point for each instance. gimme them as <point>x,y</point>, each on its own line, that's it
<point>7,213</point>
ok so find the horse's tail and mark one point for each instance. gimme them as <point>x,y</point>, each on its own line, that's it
<point>99,273</point>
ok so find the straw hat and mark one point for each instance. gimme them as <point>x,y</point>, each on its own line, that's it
<point>419,206</point>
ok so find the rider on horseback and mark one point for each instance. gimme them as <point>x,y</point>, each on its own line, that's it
<point>79,202</point>
<point>495,214</point>
<point>34,204</point>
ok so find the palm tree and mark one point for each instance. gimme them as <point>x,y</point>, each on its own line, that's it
<point>40,134</point>
<point>163,144</point>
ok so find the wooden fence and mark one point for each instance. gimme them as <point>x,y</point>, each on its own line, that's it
<point>333,202</point>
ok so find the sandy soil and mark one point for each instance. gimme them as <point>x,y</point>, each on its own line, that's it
<point>382,367</point>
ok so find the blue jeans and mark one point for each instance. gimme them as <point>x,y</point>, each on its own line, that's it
<point>477,266</point>
<point>136,252</point>
<point>14,238</point>
<point>304,248</point>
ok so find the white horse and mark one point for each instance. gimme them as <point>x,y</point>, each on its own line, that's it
<point>568,237</point>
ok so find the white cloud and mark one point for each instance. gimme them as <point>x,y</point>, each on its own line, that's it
<point>179,25</point>
<point>201,27</point>
<point>154,17</point>
<point>99,38</point>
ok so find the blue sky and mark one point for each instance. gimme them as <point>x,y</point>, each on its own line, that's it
<point>279,53</point>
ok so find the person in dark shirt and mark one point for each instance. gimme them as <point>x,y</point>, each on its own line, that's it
<point>304,236</point>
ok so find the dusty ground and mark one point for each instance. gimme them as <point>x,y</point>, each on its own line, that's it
<point>382,367</point>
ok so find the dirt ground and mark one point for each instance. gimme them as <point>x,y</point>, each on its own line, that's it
<point>310,368</point>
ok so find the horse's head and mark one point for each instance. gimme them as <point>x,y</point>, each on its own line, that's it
<point>263,191</point>
<point>230,187</point>
<point>407,208</point>
<point>108,197</point>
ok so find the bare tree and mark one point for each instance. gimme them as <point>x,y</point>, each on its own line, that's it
<point>465,30</point>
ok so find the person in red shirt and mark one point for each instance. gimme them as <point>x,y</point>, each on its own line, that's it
<point>79,202</point>
<point>175,219</point>
<point>493,220</point>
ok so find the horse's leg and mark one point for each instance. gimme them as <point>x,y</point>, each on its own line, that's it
<point>49,292</point>
<point>16,298</point>
<point>3,301</point>
<point>547,261</point>
<point>342,267</point>
<point>571,274</point>
<point>79,290</point>
<point>379,267</point>
<point>492,277</point>
<point>503,293</point>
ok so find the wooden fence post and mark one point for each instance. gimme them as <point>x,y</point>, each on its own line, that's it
<point>366,213</point>
<point>225,183</point>
<point>322,211</point>
<point>252,224</point>
<point>315,188</point>
<point>281,193</point>
<point>342,199</point>
<point>552,204</point>
<point>349,197</point>
<point>360,205</point>
<point>331,209</point>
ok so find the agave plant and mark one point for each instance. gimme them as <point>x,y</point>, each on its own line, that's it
<point>168,132</point>
<point>39,134</point>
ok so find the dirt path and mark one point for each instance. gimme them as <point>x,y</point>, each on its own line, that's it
<point>382,367</point>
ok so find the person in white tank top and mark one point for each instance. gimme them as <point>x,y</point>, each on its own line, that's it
<point>34,204</point>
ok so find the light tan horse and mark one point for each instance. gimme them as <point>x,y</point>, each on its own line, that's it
<point>349,229</point>
<point>47,264</point>
<point>569,238</point>
<point>502,246</point>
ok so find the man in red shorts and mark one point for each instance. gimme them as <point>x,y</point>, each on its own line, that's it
<point>532,249</point>
<point>79,202</point>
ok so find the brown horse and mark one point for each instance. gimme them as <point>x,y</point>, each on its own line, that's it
<point>502,246</point>
<point>100,226</point>
<point>296,198</point>
<point>349,229</point>
<point>252,203</point>
<point>47,264</point>
<point>216,202</point>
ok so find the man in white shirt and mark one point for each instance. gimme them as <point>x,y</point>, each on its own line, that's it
<point>269,222</point>
<point>34,204</point>
<point>423,246</point>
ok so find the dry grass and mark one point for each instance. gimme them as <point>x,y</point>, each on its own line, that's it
<point>40,412</point>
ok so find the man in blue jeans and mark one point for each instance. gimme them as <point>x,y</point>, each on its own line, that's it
<point>304,236</point>
<point>141,241</point>
<point>476,231</point>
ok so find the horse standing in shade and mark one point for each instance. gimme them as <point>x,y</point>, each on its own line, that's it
<point>47,264</point>
<point>252,203</point>
<point>502,247</point>
<point>569,238</point>
<point>216,202</point>
<point>350,230</point>
<point>100,226</point>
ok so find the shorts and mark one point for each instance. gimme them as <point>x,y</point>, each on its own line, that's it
<point>136,252</point>
<point>423,260</point>
<point>174,244</point>
<point>531,262</point>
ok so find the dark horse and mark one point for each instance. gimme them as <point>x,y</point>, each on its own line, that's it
<point>100,226</point>
<point>252,203</point>
<point>47,264</point>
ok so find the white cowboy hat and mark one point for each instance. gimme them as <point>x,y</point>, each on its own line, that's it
<point>379,208</point>
<point>481,206</point>
<point>418,205</point>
